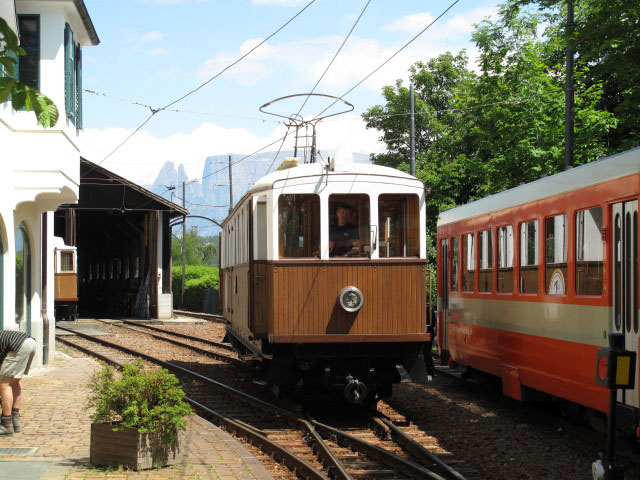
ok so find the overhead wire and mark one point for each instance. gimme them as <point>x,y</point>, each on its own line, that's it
<point>415,37</point>
<point>191,92</point>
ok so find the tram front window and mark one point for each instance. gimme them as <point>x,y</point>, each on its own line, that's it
<point>399,224</point>
<point>349,226</point>
<point>299,226</point>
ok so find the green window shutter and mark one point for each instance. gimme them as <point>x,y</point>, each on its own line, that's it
<point>69,73</point>
<point>79,87</point>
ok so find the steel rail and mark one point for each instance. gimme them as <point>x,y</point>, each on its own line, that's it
<point>220,356</point>
<point>396,462</point>
<point>181,335</point>
<point>239,427</point>
<point>311,426</point>
<point>412,446</point>
<point>212,317</point>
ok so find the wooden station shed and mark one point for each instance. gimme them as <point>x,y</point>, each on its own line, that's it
<point>123,239</point>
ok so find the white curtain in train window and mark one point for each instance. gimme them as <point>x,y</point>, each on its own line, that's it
<point>486,250</point>
<point>556,235</point>
<point>469,253</point>
<point>588,237</point>
<point>529,243</point>
<point>505,251</point>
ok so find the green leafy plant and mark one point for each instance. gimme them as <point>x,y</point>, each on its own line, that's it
<point>198,279</point>
<point>147,400</point>
<point>21,96</point>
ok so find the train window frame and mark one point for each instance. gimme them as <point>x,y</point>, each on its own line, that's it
<point>556,272</point>
<point>398,225</point>
<point>579,253</point>
<point>455,270</point>
<point>507,271</point>
<point>308,243</point>
<point>360,219</point>
<point>488,264</point>
<point>523,254</point>
<point>468,264</point>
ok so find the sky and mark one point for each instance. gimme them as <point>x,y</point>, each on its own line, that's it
<point>153,52</point>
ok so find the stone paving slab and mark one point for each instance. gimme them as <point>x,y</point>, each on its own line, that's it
<point>55,421</point>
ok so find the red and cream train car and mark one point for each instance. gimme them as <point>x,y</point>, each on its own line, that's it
<point>323,277</point>
<point>531,282</point>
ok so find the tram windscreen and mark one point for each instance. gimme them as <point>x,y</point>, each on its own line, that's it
<point>349,226</point>
<point>399,226</point>
<point>299,226</point>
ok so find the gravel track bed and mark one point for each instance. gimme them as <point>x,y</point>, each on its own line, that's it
<point>494,434</point>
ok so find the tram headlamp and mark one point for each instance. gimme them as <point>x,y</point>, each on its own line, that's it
<point>350,299</point>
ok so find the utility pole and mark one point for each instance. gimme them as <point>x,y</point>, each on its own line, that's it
<point>184,244</point>
<point>569,101</point>
<point>412,134</point>
<point>230,186</point>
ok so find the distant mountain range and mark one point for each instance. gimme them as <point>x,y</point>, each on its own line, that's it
<point>208,196</point>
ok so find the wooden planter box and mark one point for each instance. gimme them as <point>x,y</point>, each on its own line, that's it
<point>133,450</point>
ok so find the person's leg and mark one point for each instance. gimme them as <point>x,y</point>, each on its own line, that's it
<point>16,390</point>
<point>6,395</point>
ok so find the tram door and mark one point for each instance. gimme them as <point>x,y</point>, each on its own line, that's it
<point>445,292</point>
<point>625,281</point>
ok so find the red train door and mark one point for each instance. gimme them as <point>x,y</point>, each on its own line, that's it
<point>444,295</point>
<point>625,281</point>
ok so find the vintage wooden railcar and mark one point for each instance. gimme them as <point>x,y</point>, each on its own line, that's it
<point>308,309</point>
<point>531,282</point>
<point>65,267</point>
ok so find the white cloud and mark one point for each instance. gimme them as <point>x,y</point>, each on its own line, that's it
<point>305,59</point>
<point>141,158</point>
<point>286,3</point>
<point>154,52</point>
<point>152,36</point>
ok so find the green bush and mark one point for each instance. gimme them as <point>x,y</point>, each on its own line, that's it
<point>198,279</point>
<point>148,400</point>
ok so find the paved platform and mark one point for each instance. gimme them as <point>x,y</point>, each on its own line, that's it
<point>54,443</point>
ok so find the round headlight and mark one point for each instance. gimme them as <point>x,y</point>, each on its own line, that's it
<point>350,299</point>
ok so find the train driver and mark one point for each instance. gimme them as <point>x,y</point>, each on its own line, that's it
<point>344,239</point>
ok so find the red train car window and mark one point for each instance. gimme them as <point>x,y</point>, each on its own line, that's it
<point>454,264</point>
<point>590,251</point>
<point>505,259</point>
<point>529,257</point>
<point>468,262</point>
<point>485,261</point>
<point>555,244</point>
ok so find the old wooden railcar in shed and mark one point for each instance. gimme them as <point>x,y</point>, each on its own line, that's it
<point>323,277</point>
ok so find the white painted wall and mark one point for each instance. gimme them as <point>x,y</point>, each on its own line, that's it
<point>40,168</point>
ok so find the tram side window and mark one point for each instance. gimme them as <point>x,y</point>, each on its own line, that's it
<point>349,226</point>
<point>589,252</point>
<point>399,223</point>
<point>529,257</point>
<point>299,226</point>
<point>555,245</point>
<point>468,262</point>
<point>485,265</point>
<point>66,260</point>
<point>454,264</point>
<point>505,259</point>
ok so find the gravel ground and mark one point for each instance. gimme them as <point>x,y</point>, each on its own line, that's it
<point>496,436</point>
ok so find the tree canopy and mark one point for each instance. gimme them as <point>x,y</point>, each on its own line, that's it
<point>485,129</point>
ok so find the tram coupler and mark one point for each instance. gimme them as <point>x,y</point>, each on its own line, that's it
<point>615,369</point>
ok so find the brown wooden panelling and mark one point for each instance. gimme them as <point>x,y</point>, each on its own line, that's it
<point>66,286</point>
<point>301,298</point>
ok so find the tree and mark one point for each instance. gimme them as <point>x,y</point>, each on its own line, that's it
<point>11,89</point>
<point>199,250</point>
<point>480,133</point>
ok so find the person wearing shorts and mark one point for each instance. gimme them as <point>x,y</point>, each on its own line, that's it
<point>17,350</point>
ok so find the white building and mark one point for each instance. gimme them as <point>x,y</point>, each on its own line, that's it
<point>39,168</point>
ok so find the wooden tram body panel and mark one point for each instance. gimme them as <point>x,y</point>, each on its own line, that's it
<point>286,309</point>
<point>545,340</point>
<point>296,301</point>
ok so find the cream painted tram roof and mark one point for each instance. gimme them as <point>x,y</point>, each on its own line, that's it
<point>610,168</point>
<point>317,169</point>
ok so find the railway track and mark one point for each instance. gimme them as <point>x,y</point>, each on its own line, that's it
<point>205,316</point>
<point>373,448</point>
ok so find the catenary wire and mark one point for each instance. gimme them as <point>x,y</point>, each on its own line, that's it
<point>155,111</point>
<point>390,58</point>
